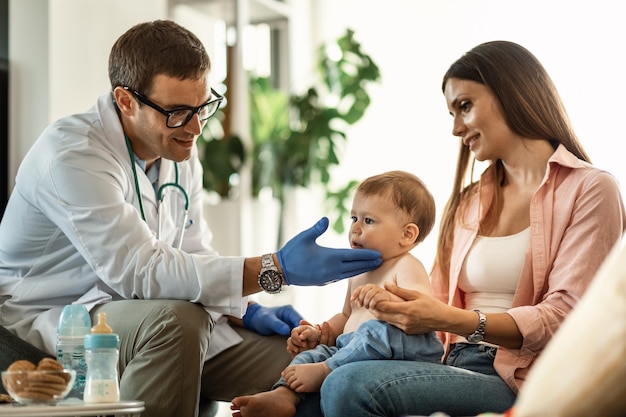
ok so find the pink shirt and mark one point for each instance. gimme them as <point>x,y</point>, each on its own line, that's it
<point>576,217</point>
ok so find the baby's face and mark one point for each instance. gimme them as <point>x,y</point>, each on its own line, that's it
<point>376,224</point>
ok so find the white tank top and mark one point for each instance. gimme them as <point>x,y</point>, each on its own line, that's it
<point>491,271</point>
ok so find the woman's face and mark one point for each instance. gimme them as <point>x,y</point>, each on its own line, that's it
<point>478,119</point>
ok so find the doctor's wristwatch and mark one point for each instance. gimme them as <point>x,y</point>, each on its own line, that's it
<point>270,279</point>
<point>479,333</point>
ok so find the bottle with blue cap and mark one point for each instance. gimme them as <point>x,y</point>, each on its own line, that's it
<point>102,353</point>
<point>74,324</point>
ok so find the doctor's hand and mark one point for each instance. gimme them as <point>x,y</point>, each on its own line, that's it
<point>271,320</point>
<point>304,262</point>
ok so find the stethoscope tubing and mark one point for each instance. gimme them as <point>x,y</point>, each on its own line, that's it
<point>160,196</point>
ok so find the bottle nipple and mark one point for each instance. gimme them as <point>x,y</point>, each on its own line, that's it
<point>101,327</point>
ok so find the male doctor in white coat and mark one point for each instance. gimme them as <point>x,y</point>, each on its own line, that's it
<point>85,224</point>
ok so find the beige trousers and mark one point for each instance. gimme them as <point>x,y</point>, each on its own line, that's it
<point>162,348</point>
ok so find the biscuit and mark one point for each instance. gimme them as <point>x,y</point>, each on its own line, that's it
<point>13,382</point>
<point>45,389</point>
<point>58,388</point>
<point>36,395</point>
<point>22,365</point>
<point>44,378</point>
<point>49,364</point>
<point>4,398</point>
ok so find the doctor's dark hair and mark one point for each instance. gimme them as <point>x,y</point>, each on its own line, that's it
<point>153,48</point>
<point>408,193</point>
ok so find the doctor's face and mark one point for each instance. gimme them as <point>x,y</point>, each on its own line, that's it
<point>147,129</point>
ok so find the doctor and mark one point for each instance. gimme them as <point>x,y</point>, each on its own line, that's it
<point>107,212</point>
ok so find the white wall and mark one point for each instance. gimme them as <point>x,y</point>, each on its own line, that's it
<point>28,80</point>
<point>82,33</point>
<point>58,51</point>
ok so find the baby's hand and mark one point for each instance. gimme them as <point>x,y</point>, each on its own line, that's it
<point>369,295</point>
<point>304,337</point>
<point>309,334</point>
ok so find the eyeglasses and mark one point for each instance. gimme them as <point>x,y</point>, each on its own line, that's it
<point>182,115</point>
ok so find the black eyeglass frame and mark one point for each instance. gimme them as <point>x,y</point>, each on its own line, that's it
<point>192,110</point>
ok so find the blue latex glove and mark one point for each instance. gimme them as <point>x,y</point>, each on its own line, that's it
<point>304,262</point>
<point>271,320</point>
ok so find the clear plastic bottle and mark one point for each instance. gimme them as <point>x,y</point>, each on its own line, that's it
<point>74,324</point>
<point>102,353</point>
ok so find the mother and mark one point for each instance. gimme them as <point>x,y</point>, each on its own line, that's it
<point>517,249</point>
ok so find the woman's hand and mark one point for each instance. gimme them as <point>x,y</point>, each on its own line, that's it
<point>419,313</point>
<point>411,311</point>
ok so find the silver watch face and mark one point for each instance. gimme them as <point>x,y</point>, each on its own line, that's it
<point>271,281</point>
<point>475,338</point>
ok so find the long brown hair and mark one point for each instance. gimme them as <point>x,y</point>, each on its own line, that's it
<point>531,107</point>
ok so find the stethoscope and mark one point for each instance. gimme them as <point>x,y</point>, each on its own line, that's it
<point>160,195</point>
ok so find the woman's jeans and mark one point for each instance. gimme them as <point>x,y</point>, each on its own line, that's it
<point>466,385</point>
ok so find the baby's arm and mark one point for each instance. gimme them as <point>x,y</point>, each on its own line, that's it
<point>412,275</point>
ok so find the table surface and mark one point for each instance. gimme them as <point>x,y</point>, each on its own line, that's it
<point>72,408</point>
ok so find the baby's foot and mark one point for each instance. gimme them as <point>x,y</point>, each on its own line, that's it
<point>280,402</point>
<point>306,377</point>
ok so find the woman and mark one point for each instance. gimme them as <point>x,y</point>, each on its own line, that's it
<point>517,249</point>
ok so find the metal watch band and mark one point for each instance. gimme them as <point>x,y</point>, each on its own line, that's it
<point>267,261</point>
<point>479,333</point>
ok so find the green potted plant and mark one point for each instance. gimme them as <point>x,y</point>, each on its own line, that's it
<point>222,158</point>
<point>297,139</point>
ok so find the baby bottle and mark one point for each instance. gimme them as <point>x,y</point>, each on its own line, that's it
<point>101,353</point>
<point>74,324</point>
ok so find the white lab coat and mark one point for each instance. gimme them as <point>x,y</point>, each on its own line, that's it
<point>72,232</point>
